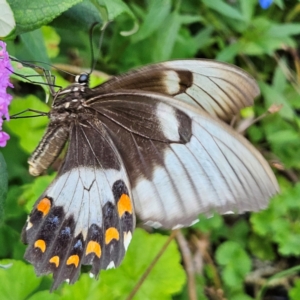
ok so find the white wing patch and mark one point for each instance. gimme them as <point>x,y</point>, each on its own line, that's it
<point>216,171</point>
<point>168,121</point>
<point>172,77</point>
<point>220,89</point>
<point>83,191</point>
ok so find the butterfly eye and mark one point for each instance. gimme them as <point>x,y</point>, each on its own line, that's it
<point>82,79</point>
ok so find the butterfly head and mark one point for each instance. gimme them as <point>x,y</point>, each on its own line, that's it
<point>83,79</point>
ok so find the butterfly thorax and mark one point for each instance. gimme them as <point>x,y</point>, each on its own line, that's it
<point>67,109</point>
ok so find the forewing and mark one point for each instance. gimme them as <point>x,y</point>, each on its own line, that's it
<point>218,88</point>
<point>86,215</point>
<point>181,161</point>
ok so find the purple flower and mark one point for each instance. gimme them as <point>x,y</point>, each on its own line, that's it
<point>265,3</point>
<point>5,71</point>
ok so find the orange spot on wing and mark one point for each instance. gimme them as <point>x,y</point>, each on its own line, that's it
<point>110,234</point>
<point>44,206</point>
<point>93,247</point>
<point>73,259</point>
<point>40,244</point>
<point>54,260</point>
<point>124,205</point>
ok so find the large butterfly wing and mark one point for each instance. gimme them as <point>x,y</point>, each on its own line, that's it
<point>218,88</point>
<point>86,215</point>
<point>182,162</point>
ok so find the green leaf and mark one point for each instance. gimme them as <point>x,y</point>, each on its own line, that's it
<point>34,47</point>
<point>166,278</point>
<point>30,15</point>
<point>23,128</point>
<point>261,247</point>
<point>80,17</point>
<point>247,8</point>
<point>224,9</point>
<point>294,292</point>
<point>235,261</point>
<point>45,295</point>
<point>207,224</point>
<point>228,53</point>
<point>7,20</point>
<point>52,40</point>
<point>163,51</point>
<point>279,80</point>
<point>283,30</point>
<point>3,185</point>
<point>27,74</point>
<point>18,281</point>
<point>241,296</point>
<point>116,8</point>
<point>280,222</point>
<point>157,11</point>
<point>272,96</point>
<point>34,190</point>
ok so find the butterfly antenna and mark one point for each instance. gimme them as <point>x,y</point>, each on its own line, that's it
<point>46,73</point>
<point>94,61</point>
<point>37,114</point>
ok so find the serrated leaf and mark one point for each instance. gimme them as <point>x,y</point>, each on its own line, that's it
<point>7,20</point>
<point>166,278</point>
<point>18,281</point>
<point>3,185</point>
<point>32,14</point>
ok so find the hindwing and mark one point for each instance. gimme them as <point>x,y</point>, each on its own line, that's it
<point>181,162</point>
<point>86,216</point>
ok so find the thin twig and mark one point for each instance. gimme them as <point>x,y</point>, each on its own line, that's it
<point>150,267</point>
<point>207,258</point>
<point>188,263</point>
<point>274,108</point>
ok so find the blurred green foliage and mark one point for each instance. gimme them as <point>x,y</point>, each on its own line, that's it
<point>232,256</point>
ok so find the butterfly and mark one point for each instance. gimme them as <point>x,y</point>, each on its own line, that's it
<point>151,144</point>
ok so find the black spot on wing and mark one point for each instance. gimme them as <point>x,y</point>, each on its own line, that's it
<point>184,126</point>
<point>112,250</point>
<point>185,80</point>
<point>95,234</point>
<point>119,188</point>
